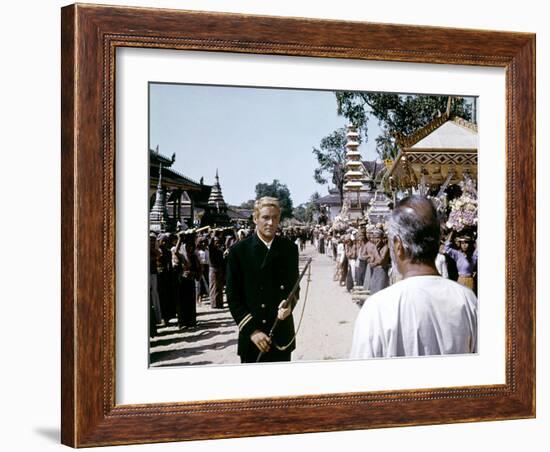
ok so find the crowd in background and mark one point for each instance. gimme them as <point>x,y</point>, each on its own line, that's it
<point>362,256</point>
<point>188,267</point>
<point>185,268</point>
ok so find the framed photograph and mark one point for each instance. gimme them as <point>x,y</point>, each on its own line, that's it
<point>235,192</point>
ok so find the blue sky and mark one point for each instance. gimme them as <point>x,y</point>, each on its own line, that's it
<point>250,134</point>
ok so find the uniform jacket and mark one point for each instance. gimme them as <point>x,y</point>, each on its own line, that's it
<point>258,280</point>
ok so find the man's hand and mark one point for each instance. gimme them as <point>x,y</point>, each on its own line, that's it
<point>261,340</point>
<point>283,312</point>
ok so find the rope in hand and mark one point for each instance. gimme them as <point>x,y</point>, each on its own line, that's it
<point>284,347</point>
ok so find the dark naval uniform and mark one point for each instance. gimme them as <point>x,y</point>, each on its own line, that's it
<point>258,280</point>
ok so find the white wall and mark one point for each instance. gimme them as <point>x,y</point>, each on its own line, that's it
<point>30,393</point>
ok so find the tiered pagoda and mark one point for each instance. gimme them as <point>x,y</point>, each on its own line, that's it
<point>357,182</point>
<point>215,211</point>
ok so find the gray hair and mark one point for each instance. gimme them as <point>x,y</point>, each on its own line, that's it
<point>414,220</point>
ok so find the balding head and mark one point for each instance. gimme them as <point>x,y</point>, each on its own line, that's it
<point>414,221</point>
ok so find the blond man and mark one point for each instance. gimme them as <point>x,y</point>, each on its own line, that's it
<point>262,269</point>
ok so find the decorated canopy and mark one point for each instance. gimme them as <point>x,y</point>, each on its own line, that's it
<point>443,152</point>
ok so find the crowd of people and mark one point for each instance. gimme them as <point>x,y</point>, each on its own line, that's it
<point>362,255</point>
<point>185,268</point>
<point>422,313</point>
<point>190,266</point>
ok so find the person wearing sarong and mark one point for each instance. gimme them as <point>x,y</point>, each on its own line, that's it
<point>204,259</point>
<point>321,243</point>
<point>465,259</point>
<point>379,259</point>
<point>334,245</point>
<point>340,258</point>
<point>165,278</point>
<point>188,270</point>
<point>361,260</point>
<point>217,273</point>
<point>303,240</point>
<point>351,255</point>
<point>368,268</point>
<point>423,314</point>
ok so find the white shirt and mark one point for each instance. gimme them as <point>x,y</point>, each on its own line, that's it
<point>268,244</point>
<point>340,251</point>
<point>203,256</point>
<point>420,315</point>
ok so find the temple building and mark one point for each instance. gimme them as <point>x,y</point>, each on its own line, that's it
<point>178,202</point>
<point>173,197</point>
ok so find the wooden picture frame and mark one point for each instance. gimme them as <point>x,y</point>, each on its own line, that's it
<point>90,37</point>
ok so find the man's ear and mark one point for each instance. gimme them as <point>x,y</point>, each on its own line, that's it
<point>399,248</point>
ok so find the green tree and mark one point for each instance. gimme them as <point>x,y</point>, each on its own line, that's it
<point>396,113</point>
<point>313,207</point>
<point>299,212</point>
<point>385,145</point>
<point>305,212</point>
<point>247,204</point>
<point>331,156</point>
<point>279,191</point>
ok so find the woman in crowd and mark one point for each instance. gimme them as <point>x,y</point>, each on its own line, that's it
<point>379,260</point>
<point>217,272</point>
<point>188,270</point>
<point>165,277</point>
<point>361,259</point>
<point>465,258</point>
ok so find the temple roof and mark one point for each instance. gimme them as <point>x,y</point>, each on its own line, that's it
<point>443,132</point>
<point>449,135</point>
<point>446,147</point>
<point>330,199</point>
<point>170,177</point>
<point>333,199</point>
<point>156,157</point>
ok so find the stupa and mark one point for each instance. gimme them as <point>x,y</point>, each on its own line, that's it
<point>215,212</point>
<point>158,217</point>
<point>380,209</point>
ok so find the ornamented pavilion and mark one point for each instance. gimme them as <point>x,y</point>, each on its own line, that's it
<point>177,201</point>
<point>171,193</point>
<point>437,156</point>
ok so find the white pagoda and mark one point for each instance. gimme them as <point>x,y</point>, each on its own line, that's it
<point>357,182</point>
